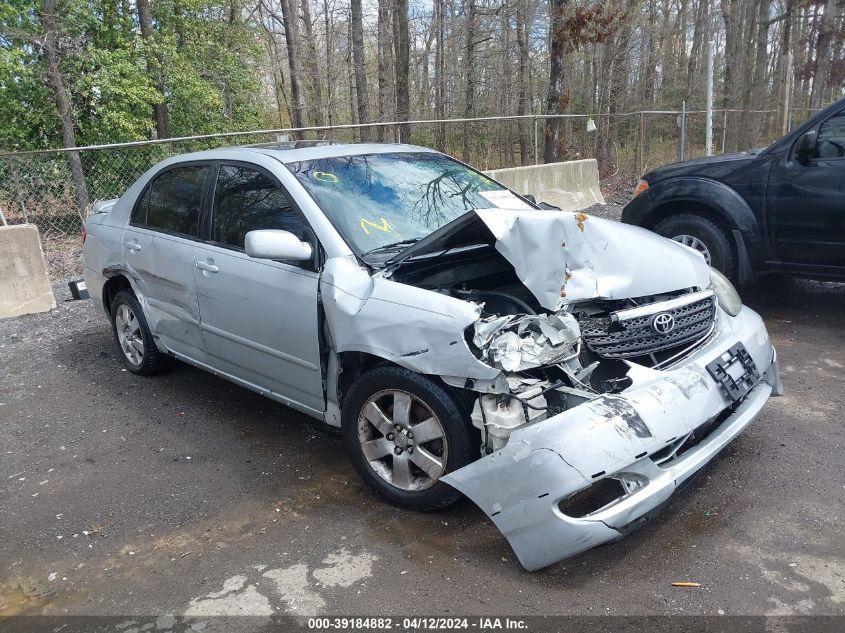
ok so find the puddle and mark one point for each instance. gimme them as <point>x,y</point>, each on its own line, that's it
<point>19,597</point>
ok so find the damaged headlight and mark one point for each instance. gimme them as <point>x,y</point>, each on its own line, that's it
<point>725,292</point>
<point>519,342</point>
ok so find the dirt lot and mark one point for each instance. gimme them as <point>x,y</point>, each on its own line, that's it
<point>185,494</point>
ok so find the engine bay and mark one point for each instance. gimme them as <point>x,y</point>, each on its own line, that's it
<point>547,364</point>
<point>553,361</point>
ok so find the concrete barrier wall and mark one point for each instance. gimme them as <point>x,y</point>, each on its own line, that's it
<point>24,285</point>
<point>571,185</point>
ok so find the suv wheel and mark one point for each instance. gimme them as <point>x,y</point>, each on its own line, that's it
<point>132,334</point>
<point>403,432</point>
<point>704,236</point>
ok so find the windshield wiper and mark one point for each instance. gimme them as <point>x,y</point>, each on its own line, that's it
<point>392,246</point>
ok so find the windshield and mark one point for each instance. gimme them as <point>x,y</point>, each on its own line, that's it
<point>382,203</point>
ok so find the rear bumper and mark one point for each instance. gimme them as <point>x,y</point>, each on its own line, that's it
<point>95,281</point>
<point>624,437</point>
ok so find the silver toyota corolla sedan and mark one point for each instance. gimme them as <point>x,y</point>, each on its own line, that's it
<point>566,373</point>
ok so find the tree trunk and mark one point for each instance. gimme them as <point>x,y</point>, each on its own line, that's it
<point>228,102</point>
<point>758,82</point>
<point>276,68</point>
<point>385,66</point>
<point>402,42</point>
<point>824,53</point>
<point>290,23</point>
<point>506,157</point>
<point>522,17</point>
<point>360,70</point>
<point>557,99</point>
<point>699,33</point>
<point>469,77</point>
<point>353,109</point>
<point>329,64</point>
<point>424,91</point>
<point>744,131</point>
<point>440,76</point>
<point>733,63</point>
<point>313,65</point>
<point>154,65</point>
<point>51,59</point>
<point>616,87</point>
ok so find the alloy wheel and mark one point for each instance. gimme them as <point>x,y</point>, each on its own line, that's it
<point>129,334</point>
<point>402,439</point>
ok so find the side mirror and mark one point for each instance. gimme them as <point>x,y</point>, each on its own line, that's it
<point>805,146</point>
<point>530,198</point>
<point>275,244</point>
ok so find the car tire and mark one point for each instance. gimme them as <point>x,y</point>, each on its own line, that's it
<point>133,337</point>
<point>404,469</point>
<point>703,235</point>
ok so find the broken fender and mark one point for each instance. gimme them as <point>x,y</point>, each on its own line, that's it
<point>415,328</point>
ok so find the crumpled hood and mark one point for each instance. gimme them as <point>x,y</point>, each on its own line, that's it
<point>564,257</point>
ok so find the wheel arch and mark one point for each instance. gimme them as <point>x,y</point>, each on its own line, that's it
<point>352,363</point>
<point>115,282</point>
<point>715,201</point>
<point>713,197</point>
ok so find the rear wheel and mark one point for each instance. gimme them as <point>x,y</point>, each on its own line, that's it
<point>403,432</point>
<point>702,235</point>
<point>133,337</point>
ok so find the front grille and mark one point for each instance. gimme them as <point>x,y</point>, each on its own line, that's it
<point>635,337</point>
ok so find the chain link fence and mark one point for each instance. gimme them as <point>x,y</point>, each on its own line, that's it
<point>55,189</point>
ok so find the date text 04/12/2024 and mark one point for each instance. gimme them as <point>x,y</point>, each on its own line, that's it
<point>416,623</point>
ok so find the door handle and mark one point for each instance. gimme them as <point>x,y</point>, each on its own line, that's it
<point>132,246</point>
<point>207,267</point>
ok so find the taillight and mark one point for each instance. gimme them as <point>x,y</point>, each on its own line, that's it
<point>84,234</point>
<point>642,185</point>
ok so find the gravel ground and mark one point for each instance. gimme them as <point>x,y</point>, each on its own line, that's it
<point>611,209</point>
<point>186,494</point>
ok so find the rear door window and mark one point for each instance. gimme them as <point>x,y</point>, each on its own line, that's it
<point>247,199</point>
<point>139,211</point>
<point>176,199</point>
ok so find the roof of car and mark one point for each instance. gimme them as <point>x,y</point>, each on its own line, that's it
<point>293,151</point>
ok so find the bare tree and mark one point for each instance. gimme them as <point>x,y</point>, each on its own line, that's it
<point>289,21</point>
<point>401,40</point>
<point>385,65</point>
<point>469,75</point>
<point>440,75</point>
<point>313,64</point>
<point>357,26</point>
<point>570,28</point>
<point>353,109</point>
<point>524,103</point>
<point>154,64</point>
<point>824,50</point>
<point>327,24</point>
<point>700,28</point>
<point>51,58</point>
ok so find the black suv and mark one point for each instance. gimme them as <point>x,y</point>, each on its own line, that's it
<point>777,209</point>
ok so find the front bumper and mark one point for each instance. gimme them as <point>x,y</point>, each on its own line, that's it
<point>621,436</point>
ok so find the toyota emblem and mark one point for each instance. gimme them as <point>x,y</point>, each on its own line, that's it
<point>663,323</point>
